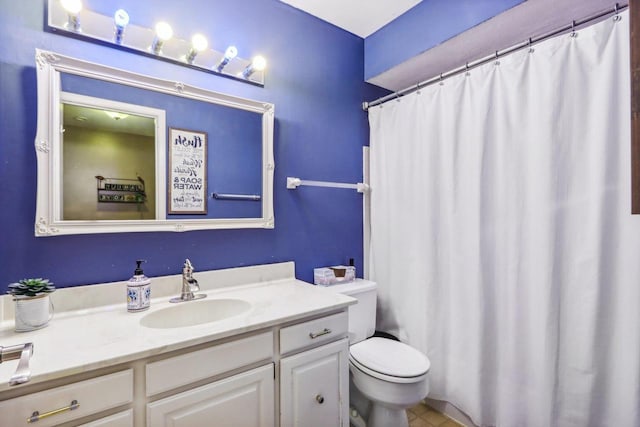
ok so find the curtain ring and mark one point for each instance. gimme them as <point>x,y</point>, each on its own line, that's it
<point>573,34</point>
<point>418,89</point>
<point>497,60</point>
<point>616,17</point>
<point>466,67</point>
<point>531,49</point>
<point>441,82</point>
<point>397,97</point>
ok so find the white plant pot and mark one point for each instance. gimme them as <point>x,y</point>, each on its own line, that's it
<point>32,312</point>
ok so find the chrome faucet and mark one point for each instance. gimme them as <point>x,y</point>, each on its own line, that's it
<point>189,285</point>
<point>22,352</point>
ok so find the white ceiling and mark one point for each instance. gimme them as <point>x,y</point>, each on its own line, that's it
<point>360,17</point>
<point>96,119</point>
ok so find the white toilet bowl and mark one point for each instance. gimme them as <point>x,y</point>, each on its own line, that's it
<point>392,375</point>
<point>389,376</point>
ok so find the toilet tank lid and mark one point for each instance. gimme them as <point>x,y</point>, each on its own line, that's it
<point>349,288</point>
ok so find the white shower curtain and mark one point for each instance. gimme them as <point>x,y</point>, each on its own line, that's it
<point>501,234</point>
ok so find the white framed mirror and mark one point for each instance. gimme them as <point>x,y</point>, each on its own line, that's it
<point>106,163</point>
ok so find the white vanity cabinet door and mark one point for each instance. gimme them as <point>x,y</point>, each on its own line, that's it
<point>243,400</point>
<point>121,419</point>
<point>314,387</point>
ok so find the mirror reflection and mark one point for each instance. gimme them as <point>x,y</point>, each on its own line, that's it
<point>109,164</point>
<point>233,151</point>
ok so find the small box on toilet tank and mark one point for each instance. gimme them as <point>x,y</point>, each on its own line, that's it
<point>327,276</point>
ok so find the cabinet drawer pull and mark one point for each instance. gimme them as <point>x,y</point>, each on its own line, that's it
<point>314,335</point>
<point>320,399</point>
<point>36,416</point>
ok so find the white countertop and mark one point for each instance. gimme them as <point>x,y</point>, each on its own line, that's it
<point>81,339</point>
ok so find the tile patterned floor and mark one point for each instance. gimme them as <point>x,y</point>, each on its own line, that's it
<point>422,415</point>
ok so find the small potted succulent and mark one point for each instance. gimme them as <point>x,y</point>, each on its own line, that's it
<point>33,308</point>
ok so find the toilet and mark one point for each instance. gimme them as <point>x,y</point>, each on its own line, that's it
<point>390,375</point>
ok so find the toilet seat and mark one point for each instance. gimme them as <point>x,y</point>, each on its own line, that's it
<point>389,360</point>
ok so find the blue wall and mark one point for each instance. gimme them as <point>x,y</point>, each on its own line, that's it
<point>426,25</point>
<point>315,79</point>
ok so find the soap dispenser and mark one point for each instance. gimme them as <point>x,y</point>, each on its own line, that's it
<point>138,290</point>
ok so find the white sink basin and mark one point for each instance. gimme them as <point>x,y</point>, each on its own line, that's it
<point>193,313</point>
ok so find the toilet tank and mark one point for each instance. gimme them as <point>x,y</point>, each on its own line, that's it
<point>362,316</point>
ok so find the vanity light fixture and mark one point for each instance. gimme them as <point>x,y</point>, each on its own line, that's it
<point>163,33</point>
<point>114,28</point>
<point>229,54</point>
<point>73,8</point>
<point>198,44</point>
<point>258,63</point>
<point>121,20</point>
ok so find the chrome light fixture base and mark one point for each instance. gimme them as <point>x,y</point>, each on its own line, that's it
<point>99,29</point>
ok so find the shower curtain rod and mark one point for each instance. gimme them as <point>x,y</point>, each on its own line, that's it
<point>469,66</point>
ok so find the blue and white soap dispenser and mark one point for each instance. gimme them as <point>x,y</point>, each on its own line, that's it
<point>138,290</point>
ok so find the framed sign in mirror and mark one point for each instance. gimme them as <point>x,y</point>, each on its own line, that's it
<point>160,147</point>
<point>187,172</point>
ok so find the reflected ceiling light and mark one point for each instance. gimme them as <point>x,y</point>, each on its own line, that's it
<point>115,115</point>
<point>198,44</point>
<point>257,64</point>
<point>163,33</point>
<point>229,54</point>
<point>121,20</point>
<point>73,8</point>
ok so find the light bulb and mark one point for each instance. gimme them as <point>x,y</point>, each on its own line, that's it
<point>163,33</point>
<point>73,8</point>
<point>257,64</point>
<point>198,44</point>
<point>229,54</point>
<point>121,19</point>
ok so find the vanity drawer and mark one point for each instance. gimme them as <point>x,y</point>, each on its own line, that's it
<point>313,332</point>
<point>91,396</point>
<point>198,365</point>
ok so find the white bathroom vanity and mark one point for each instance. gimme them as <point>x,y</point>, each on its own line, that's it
<point>275,353</point>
